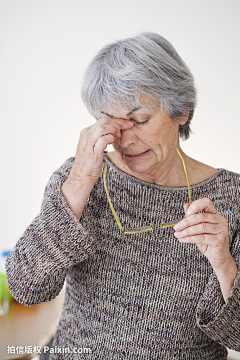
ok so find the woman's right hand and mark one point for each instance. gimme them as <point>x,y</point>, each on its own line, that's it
<point>90,150</point>
<point>88,161</point>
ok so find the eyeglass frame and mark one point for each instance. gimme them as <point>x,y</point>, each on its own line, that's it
<point>151,228</point>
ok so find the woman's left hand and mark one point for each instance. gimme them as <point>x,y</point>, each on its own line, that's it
<point>208,230</point>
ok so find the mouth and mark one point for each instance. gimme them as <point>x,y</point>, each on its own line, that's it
<point>137,155</point>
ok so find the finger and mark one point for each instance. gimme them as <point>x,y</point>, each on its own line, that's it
<point>207,239</point>
<point>117,121</point>
<point>102,144</point>
<point>204,204</point>
<point>105,126</point>
<point>202,228</point>
<point>102,130</point>
<point>197,219</point>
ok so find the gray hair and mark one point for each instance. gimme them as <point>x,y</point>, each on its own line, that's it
<point>145,64</point>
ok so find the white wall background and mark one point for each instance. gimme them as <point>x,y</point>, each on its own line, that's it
<point>45,47</point>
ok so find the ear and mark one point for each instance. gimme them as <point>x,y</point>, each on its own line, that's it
<point>184,118</point>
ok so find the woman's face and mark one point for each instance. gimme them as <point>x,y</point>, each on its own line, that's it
<point>151,142</point>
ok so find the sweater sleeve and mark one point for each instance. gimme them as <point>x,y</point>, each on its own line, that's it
<point>220,320</point>
<point>54,241</point>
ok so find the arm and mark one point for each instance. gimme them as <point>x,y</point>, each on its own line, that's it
<point>54,241</point>
<point>218,311</point>
<point>76,195</point>
<point>226,277</point>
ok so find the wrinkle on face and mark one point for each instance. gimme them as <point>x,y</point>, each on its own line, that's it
<point>160,135</point>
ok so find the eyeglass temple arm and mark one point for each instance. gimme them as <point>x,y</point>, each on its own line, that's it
<point>171,223</point>
<point>110,202</point>
<point>189,188</point>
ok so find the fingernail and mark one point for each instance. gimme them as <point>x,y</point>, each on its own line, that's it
<point>176,227</point>
<point>129,122</point>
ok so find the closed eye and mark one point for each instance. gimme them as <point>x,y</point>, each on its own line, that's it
<point>143,122</point>
<point>140,122</point>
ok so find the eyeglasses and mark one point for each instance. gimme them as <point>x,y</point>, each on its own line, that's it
<point>151,227</point>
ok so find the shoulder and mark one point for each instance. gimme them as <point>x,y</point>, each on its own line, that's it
<point>222,186</point>
<point>59,176</point>
<point>66,167</point>
<point>230,179</point>
<point>199,172</point>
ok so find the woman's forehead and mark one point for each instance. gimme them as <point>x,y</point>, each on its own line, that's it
<point>147,104</point>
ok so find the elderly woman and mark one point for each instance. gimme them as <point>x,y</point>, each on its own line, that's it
<point>137,287</point>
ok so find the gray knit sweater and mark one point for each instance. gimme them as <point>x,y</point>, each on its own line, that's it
<point>139,296</point>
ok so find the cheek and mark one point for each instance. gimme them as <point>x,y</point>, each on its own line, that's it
<point>163,136</point>
<point>115,145</point>
<point>155,136</point>
<point>171,134</point>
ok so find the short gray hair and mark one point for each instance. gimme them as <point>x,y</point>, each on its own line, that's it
<point>145,64</point>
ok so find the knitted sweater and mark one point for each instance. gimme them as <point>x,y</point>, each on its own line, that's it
<point>136,296</point>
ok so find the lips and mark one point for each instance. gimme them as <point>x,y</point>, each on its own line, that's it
<point>137,155</point>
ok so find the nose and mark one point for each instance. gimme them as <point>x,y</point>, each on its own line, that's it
<point>128,138</point>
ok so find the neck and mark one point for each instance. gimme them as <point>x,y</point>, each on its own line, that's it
<point>169,172</point>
